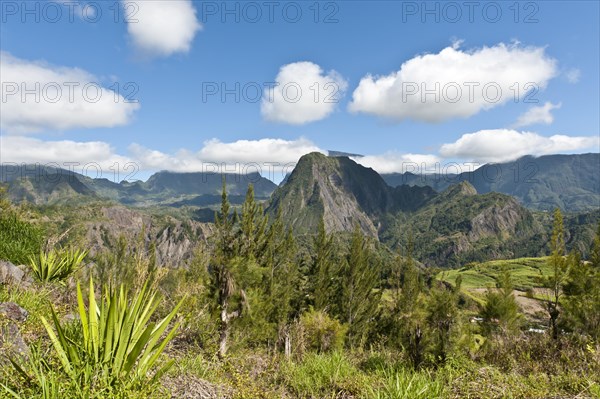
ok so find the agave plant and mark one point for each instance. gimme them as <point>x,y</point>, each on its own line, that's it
<point>56,265</point>
<point>119,344</point>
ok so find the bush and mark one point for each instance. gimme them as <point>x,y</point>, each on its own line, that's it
<point>112,350</point>
<point>56,265</point>
<point>405,384</point>
<point>18,239</point>
<point>319,332</point>
<point>324,375</point>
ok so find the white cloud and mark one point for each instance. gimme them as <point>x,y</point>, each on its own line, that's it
<point>61,98</point>
<point>20,149</point>
<point>395,162</point>
<point>502,145</point>
<point>161,27</point>
<point>304,94</point>
<point>538,115</point>
<point>273,158</point>
<point>234,155</point>
<point>573,75</point>
<point>466,82</point>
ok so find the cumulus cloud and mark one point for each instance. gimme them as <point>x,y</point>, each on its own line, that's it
<point>273,158</point>
<point>161,27</point>
<point>395,162</point>
<point>268,154</point>
<point>37,96</point>
<point>454,83</point>
<point>303,94</point>
<point>538,115</point>
<point>21,149</point>
<point>502,145</point>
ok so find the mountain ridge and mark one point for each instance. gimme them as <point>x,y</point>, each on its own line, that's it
<point>568,181</point>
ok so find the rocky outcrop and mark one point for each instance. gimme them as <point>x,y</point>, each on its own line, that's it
<point>11,274</point>
<point>12,344</point>
<point>342,193</point>
<point>175,240</point>
<point>497,220</point>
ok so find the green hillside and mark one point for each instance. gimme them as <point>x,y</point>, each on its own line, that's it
<point>525,273</point>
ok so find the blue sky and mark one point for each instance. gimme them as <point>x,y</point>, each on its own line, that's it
<point>178,48</point>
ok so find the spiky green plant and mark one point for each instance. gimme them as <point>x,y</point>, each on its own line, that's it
<point>56,265</point>
<point>120,345</point>
<point>404,384</point>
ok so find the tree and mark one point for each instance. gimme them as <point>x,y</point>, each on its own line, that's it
<point>501,311</point>
<point>322,270</point>
<point>442,312</point>
<point>282,285</point>
<point>252,227</point>
<point>582,292</point>
<point>408,315</point>
<point>559,266</point>
<point>359,276</point>
<point>229,297</point>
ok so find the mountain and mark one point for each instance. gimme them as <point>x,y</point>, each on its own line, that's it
<point>448,228</point>
<point>41,185</point>
<point>46,185</point>
<point>459,225</point>
<point>333,188</point>
<point>570,182</point>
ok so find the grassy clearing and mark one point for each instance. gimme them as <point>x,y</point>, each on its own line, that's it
<point>525,273</point>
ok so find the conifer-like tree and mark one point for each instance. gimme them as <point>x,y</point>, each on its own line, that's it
<point>223,263</point>
<point>322,271</point>
<point>282,281</point>
<point>559,267</point>
<point>442,313</point>
<point>582,292</point>
<point>359,277</point>
<point>501,311</point>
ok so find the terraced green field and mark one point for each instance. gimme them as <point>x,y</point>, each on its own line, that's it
<point>526,273</point>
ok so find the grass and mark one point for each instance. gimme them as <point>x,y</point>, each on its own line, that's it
<point>321,375</point>
<point>405,384</point>
<point>525,273</point>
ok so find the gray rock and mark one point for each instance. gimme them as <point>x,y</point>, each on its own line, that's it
<point>13,312</point>
<point>10,274</point>
<point>12,344</point>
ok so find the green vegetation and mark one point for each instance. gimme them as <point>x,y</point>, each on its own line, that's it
<point>18,237</point>
<point>525,273</point>
<point>110,352</point>
<point>56,265</point>
<point>259,313</point>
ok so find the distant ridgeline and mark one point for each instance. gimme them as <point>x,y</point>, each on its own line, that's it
<point>40,184</point>
<point>496,211</point>
<point>454,225</point>
<point>570,182</point>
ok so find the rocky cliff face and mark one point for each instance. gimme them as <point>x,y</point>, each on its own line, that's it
<point>175,239</point>
<point>570,182</point>
<point>499,220</point>
<point>338,190</point>
<point>460,225</point>
<point>446,225</point>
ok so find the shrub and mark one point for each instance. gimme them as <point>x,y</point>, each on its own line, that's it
<point>56,265</point>
<point>319,332</point>
<point>18,239</point>
<point>115,348</point>
<point>405,384</point>
<point>324,375</point>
